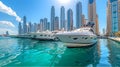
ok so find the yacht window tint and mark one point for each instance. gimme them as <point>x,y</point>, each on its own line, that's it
<point>86,38</point>
<point>41,35</point>
<point>75,38</point>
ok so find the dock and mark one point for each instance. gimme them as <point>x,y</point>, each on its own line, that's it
<point>115,38</point>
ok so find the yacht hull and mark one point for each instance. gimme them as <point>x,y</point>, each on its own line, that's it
<point>78,40</point>
<point>72,45</point>
<point>43,36</point>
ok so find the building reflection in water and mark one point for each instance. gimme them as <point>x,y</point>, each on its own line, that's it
<point>104,53</point>
<point>114,56</point>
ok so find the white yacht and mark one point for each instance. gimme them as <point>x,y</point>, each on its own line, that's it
<point>46,35</point>
<point>81,37</point>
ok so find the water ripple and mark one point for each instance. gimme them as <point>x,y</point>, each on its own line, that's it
<point>26,52</point>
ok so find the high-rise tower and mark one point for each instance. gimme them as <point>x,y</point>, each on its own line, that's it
<point>83,20</point>
<point>62,18</point>
<point>113,17</point>
<point>19,28</point>
<point>108,31</point>
<point>92,16</point>
<point>45,24</point>
<point>78,15</point>
<point>56,24</point>
<point>69,20</point>
<point>42,27</point>
<point>24,25</point>
<point>52,18</point>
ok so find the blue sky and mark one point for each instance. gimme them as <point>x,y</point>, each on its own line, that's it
<point>35,10</point>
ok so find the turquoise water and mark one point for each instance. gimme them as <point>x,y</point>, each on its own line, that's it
<point>25,52</point>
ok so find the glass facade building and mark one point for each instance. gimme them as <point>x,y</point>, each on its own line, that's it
<point>69,20</point>
<point>52,17</point>
<point>24,25</point>
<point>78,15</point>
<point>114,18</point>
<point>62,18</point>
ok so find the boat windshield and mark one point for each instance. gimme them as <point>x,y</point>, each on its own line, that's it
<point>91,30</point>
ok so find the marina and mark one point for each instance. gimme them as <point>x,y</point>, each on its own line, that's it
<point>60,33</point>
<point>26,52</point>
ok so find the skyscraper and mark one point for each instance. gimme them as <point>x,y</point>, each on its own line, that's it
<point>69,20</point>
<point>24,25</point>
<point>108,18</point>
<point>113,17</point>
<point>97,25</point>
<point>65,25</point>
<point>41,27</point>
<point>92,16</point>
<point>56,24</point>
<point>114,11</point>
<point>48,25</point>
<point>35,27</point>
<point>62,18</point>
<point>118,15</point>
<point>78,15</point>
<point>29,27</point>
<point>32,27</point>
<point>45,24</point>
<point>19,28</point>
<point>83,20</point>
<point>52,18</point>
<point>92,10</point>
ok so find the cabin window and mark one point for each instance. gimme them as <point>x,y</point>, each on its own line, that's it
<point>41,35</point>
<point>75,38</point>
<point>45,35</point>
<point>86,38</point>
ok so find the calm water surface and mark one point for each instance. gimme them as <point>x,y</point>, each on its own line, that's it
<point>25,52</point>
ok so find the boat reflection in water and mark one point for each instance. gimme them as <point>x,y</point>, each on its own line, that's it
<point>86,56</point>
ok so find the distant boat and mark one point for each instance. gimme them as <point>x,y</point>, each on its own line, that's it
<point>81,37</point>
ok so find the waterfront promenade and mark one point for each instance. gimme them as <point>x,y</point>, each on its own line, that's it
<point>115,38</point>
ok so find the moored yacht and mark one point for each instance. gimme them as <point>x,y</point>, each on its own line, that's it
<point>81,37</point>
<point>46,35</point>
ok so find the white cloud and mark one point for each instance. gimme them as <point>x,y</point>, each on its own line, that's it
<point>7,23</point>
<point>9,11</point>
<point>7,26</point>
